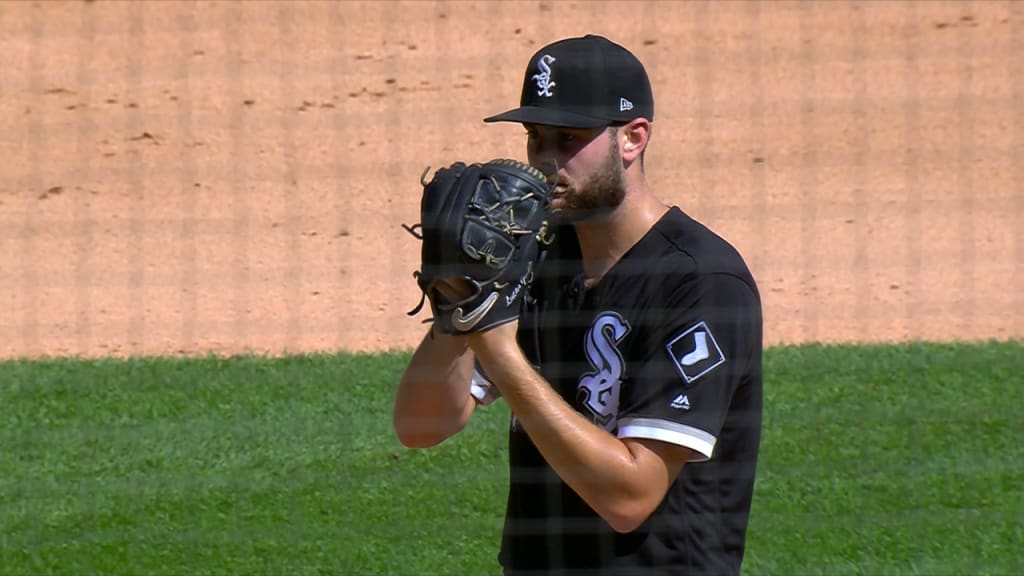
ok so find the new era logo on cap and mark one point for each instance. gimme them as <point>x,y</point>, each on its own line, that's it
<point>625,105</point>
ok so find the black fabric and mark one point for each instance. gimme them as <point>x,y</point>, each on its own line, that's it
<point>681,335</point>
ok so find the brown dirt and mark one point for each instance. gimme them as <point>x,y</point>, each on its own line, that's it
<point>181,178</point>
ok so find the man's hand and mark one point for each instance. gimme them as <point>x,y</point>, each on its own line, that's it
<point>498,352</point>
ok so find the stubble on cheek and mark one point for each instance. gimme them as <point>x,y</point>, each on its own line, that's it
<point>600,194</point>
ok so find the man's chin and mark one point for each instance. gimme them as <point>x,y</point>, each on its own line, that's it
<point>563,215</point>
<point>559,214</point>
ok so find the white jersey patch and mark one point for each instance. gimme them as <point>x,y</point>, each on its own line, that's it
<point>695,352</point>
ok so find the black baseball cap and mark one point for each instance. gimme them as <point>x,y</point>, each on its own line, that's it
<point>584,82</point>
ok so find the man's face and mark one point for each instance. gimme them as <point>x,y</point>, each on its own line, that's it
<point>585,164</point>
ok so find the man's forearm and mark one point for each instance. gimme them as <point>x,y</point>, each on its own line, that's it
<point>598,466</point>
<point>433,400</point>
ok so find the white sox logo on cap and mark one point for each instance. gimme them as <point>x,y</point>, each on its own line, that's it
<point>543,78</point>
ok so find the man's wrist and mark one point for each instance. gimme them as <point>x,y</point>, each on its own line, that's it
<point>500,360</point>
<point>444,345</point>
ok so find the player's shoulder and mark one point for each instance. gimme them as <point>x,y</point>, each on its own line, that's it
<point>687,243</point>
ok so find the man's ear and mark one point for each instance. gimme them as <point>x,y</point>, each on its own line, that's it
<point>633,139</point>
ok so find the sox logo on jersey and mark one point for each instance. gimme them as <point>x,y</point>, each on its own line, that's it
<point>598,390</point>
<point>695,352</point>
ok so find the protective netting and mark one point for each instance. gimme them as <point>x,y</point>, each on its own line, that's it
<point>183,177</point>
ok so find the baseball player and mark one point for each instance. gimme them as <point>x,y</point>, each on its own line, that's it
<point>633,371</point>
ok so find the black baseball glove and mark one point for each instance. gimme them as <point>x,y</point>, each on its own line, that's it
<point>484,228</point>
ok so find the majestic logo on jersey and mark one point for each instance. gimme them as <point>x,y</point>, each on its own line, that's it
<point>543,78</point>
<point>598,390</point>
<point>681,402</point>
<point>695,352</point>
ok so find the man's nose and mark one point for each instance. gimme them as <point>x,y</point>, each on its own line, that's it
<point>546,162</point>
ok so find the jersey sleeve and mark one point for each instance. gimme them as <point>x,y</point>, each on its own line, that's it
<point>697,348</point>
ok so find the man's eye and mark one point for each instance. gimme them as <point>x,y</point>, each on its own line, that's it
<point>566,138</point>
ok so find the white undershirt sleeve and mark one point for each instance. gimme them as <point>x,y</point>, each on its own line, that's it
<point>483,389</point>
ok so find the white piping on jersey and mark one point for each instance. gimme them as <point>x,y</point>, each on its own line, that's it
<point>672,432</point>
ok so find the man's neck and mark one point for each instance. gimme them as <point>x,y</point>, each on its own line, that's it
<point>603,241</point>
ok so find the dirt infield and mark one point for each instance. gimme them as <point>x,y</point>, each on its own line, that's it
<point>180,178</point>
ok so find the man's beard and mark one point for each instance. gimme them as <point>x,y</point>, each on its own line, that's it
<point>596,196</point>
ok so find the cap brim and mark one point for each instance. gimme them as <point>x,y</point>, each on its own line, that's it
<point>548,117</point>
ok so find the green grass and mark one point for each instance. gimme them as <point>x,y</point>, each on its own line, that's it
<point>875,460</point>
<point>891,460</point>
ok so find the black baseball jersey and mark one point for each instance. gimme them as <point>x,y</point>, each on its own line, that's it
<point>667,346</point>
